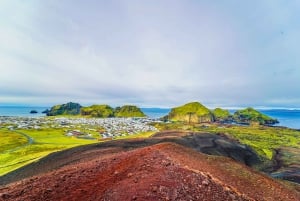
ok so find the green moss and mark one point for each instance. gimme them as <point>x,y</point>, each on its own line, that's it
<point>103,111</point>
<point>129,111</point>
<point>193,112</point>
<point>250,115</point>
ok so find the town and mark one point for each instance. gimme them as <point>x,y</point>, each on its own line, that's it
<point>83,127</point>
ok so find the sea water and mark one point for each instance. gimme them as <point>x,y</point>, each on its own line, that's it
<point>18,111</point>
<point>286,117</point>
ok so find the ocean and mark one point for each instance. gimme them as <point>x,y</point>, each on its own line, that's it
<point>286,117</point>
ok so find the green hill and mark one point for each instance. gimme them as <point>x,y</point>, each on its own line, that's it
<point>129,111</point>
<point>250,115</point>
<point>65,109</point>
<point>193,112</point>
<point>221,114</point>
<point>98,111</point>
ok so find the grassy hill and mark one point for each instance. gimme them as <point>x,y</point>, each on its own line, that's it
<point>129,111</point>
<point>103,111</point>
<point>193,112</point>
<point>221,115</point>
<point>250,115</point>
<point>65,109</point>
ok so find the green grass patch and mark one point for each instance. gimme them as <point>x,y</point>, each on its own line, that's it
<point>11,140</point>
<point>263,139</point>
<point>16,152</point>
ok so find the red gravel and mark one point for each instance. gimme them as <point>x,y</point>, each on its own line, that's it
<point>164,171</point>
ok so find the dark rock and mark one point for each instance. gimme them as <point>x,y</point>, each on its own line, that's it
<point>33,112</point>
<point>46,111</point>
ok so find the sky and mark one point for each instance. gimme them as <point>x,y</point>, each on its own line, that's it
<point>151,53</point>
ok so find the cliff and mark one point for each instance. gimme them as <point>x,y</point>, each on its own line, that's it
<point>65,109</point>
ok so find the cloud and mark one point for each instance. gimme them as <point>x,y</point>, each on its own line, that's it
<point>150,53</point>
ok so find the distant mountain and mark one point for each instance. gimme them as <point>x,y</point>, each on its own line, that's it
<point>65,109</point>
<point>193,112</point>
<point>129,111</point>
<point>250,115</point>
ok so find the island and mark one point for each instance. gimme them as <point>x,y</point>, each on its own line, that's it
<point>193,112</point>
<point>98,111</point>
<point>33,112</point>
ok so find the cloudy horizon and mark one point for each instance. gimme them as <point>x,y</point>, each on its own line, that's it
<point>150,53</point>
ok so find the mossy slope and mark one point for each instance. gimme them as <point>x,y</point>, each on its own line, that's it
<point>103,111</point>
<point>221,114</point>
<point>250,115</point>
<point>129,111</point>
<point>193,112</point>
<point>65,109</point>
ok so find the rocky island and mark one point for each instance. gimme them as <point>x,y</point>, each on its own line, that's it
<point>250,115</point>
<point>195,112</point>
<point>98,111</point>
<point>65,109</point>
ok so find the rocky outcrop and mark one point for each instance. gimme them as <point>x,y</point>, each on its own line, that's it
<point>193,112</point>
<point>129,111</point>
<point>65,109</point>
<point>250,115</point>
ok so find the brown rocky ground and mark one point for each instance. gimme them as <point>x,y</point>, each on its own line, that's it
<point>165,171</point>
<point>161,168</point>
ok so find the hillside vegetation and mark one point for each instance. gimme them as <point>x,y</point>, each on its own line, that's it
<point>129,111</point>
<point>221,114</point>
<point>21,147</point>
<point>100,111</point>
<point>250,115</point>
<point>65,109</point>
<point>193,112</point>
<point>103,111</point>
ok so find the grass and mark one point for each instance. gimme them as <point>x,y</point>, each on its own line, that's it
<point>264,140</point>
<point>15,151</point>
<point>10,140</point>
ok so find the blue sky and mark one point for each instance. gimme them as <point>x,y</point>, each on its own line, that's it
<point>150,52</point>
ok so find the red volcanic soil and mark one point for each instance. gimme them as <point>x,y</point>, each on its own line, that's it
<point>165,171</point>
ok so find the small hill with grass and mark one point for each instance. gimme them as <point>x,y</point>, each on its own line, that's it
<point>221,115</point>
<point>103,111</point>
<point>250,115</point>
<point>65,109</point>
<point>128,111</point>
<point>193,112</point>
